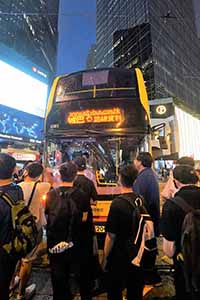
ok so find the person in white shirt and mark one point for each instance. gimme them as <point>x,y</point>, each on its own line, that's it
<point>33,190</point>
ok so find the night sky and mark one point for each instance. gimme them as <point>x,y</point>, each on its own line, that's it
<point>77,31</point>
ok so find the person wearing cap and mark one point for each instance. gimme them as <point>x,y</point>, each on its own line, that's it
<point>84,182</point>
<point>185,178</point>
<point>170,187</point>
<point>87,185</point>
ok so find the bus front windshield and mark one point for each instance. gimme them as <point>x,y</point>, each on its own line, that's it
<point>104,156</point>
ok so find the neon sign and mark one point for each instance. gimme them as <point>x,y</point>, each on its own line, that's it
<point>112,115</point>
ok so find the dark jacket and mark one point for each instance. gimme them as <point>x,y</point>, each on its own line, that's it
<point>173,215</point>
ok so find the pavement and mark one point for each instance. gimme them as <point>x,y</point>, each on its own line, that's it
<point>41,277</point>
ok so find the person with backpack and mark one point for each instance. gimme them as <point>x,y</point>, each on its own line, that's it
<point>180,227</point>
<point>120,271</point>
<point>87,185</point>
<point>83,182</point>
<point>33,190</point>
<point>7,262</point>
<point>69,235</point>
<point>146,185</point>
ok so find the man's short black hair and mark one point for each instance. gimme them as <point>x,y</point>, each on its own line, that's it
<point>7,166</point>
<point>145,158</point>
<point>80,161</point>
<point>186,160</point>
<point>68,171</point>
<point>34,169</point>
<point>128,175</point>
<point>185,174</point>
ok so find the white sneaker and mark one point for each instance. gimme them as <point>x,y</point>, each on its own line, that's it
<point>60,247</point>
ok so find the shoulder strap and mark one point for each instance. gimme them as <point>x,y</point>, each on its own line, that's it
<point>180,202</point>
<point>135,200</point>
<point>7,198</point>
<point>32,193</point>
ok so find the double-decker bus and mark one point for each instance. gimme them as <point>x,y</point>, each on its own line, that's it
<point>104,115</point>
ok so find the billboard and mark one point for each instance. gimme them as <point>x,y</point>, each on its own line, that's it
<point>23,97</point>
<point>15,123</point>
<point>22,91</point>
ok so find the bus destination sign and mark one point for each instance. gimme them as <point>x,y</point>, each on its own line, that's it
<point>112,115</point>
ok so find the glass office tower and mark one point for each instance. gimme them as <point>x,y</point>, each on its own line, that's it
<point>29,27</point>
<point>165,36</point>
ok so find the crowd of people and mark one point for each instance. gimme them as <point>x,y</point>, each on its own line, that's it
<point>68,220</point>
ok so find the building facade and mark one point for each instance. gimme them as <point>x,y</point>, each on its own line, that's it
<point>113,15</point>
<point>178,137</point>
<point>29,27</point>
<point>165,36</point>
<point>133,48</point>
<point>161,38</point>
<point>28,53</point>
<point>91,58</point>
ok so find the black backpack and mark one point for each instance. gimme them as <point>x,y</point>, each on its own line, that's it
<point>190,243</point>
<point>64,212</point>
<point>142,243</point>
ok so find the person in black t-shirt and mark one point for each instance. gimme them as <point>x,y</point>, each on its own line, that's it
<point>171,224</point>
<point>64,223</point>
<point>88,187</point>
<point>7,262</point>
<point>121,272</point>
<point>83,182</point>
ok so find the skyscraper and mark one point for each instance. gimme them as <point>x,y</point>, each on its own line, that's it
<point>133,48</point>
<point>91,58</point>
<point>172,40</point>
<point>30,28</point>
<point>28,50</point>
<point>162,38</point>
<point>113,15</point>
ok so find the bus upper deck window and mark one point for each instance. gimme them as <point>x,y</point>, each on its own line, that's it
<point>95,78</point>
